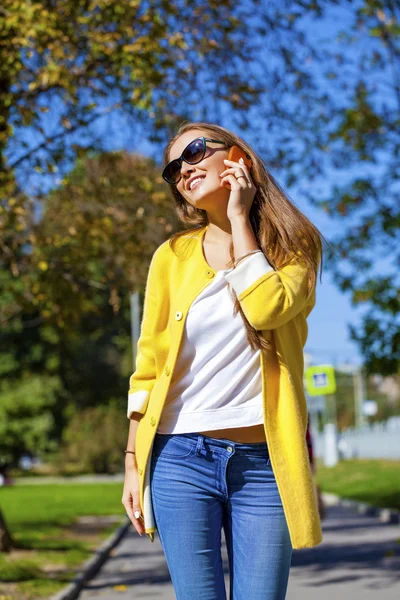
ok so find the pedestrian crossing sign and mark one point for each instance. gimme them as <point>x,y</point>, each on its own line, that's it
<point>320,380</point>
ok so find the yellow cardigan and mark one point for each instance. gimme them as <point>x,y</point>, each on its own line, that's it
<point>276,303</point>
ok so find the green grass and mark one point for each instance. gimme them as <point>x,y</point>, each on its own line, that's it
<point>375,482</point>
<point>41,520</point>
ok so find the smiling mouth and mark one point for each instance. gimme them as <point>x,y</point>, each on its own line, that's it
<point>196,182</point>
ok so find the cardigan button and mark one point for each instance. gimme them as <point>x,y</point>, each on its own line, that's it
<point>167,370</point>
<point>152,421</point>
<point>209,274</point>
<point>140,471</point>
<point>178,316</point>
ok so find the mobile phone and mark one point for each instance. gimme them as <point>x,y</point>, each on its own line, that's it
<point>234,154</point>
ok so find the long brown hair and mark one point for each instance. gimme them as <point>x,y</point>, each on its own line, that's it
<point>280,228</point>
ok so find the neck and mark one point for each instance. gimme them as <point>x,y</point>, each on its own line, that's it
<point>219,231</point>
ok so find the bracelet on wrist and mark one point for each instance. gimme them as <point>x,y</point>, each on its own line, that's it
<point>129,452</point>
<point>244,256</point>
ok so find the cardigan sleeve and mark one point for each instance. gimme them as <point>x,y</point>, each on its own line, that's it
<point>270,298</point>
<point>142,381</point>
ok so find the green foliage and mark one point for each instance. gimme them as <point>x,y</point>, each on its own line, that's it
<point>95,439</point>
<point>64,70</point>
<point>26,419</point>
<point>22,570</point>
<point>343,407</point>
<point>71,321</point>
<point>82,53</point>
<point>97,235</point>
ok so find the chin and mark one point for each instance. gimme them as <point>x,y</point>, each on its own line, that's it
<point>207,195</point>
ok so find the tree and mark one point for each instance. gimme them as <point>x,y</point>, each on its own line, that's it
<point>359,147</point>
<point>97,234</point>
<point>158,62</point>
<point>92,440</point>
<point>92,245</point>
<point>26,418</point>
<point>65,64</point>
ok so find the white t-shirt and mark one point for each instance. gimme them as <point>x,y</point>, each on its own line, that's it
<point>217,381</point>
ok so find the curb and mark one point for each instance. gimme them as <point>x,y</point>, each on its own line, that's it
<point>92,565</point>
<point>385,515</point>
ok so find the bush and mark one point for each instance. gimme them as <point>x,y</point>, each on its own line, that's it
<point>95,439</point>
<point>26,417</point>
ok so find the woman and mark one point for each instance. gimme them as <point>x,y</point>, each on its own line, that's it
<point>216,405</point>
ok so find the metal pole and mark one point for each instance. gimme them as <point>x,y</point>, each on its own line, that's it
<point>334,410</point>
<point>325,413</point>
<point>331,454</point>
<point>135,324</point>
<point>359,396</point>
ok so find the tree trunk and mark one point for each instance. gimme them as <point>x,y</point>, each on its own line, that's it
<point>6,541</point>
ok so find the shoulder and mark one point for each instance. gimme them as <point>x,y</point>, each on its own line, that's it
<point>176,244</point>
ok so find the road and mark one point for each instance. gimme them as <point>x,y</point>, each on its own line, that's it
<point>358,559</point>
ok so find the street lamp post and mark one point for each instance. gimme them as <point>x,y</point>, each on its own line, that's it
<point>135,323</point>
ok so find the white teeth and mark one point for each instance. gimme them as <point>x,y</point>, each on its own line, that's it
<point>195,182</point>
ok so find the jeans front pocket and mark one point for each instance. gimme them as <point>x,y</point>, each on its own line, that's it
<point>259,456</point>
<point>263,461</point>
<point>172,446</point>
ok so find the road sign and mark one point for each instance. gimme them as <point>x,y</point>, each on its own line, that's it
<point>320,380</point>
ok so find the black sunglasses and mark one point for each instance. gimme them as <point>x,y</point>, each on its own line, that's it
<point>192,154</point>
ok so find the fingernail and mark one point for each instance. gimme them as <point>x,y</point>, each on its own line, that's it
<point>137,513</point>
<point>241,160</point>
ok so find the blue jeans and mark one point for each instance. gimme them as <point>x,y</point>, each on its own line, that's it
<point>200,484</point>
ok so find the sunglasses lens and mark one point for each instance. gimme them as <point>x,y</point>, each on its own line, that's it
<point>172,171</point>
<point>194,152</point>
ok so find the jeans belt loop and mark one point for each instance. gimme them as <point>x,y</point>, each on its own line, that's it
<point>200,449</point>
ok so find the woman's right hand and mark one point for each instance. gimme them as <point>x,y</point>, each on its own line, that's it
<point>130,499</point>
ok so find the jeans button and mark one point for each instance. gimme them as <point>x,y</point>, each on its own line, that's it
<point>229,448</point>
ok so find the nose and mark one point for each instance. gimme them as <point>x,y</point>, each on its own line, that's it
<point>186,170</point>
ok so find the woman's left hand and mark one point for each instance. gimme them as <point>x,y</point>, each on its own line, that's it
<point>242,187</point>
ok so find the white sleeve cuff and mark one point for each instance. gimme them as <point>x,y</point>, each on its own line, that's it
<point>137,402</point>
<point>248,271</point>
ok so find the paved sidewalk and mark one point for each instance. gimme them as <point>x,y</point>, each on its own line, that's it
<point>358,559</point>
